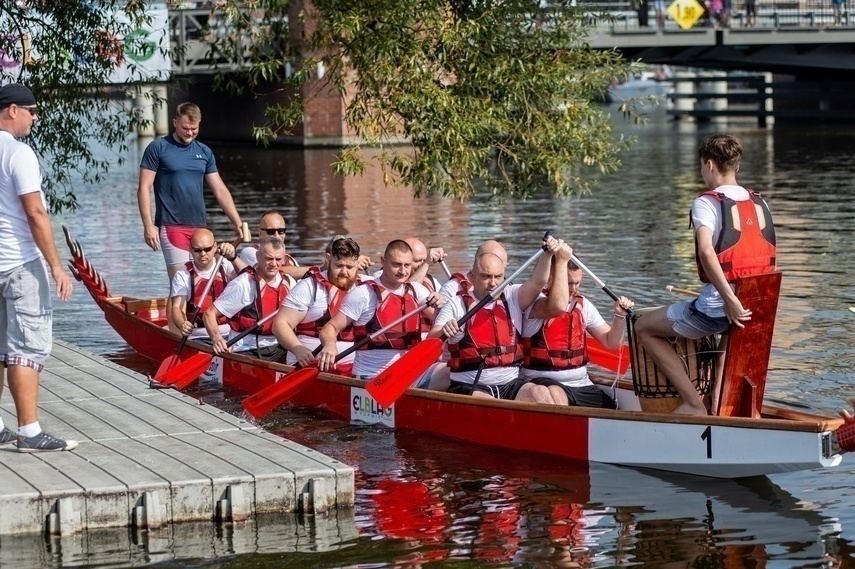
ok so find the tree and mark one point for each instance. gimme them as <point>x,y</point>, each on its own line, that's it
<point>66,51</point>
<point>499,93</point>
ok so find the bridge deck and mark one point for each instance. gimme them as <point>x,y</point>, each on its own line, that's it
<point>147,458</point>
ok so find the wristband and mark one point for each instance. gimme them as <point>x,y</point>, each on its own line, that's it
<point>621,316</point>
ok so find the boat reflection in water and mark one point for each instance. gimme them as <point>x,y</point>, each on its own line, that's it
<point>508,507</point>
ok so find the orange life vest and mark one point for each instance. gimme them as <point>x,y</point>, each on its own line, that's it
<point>561,342</point>
<point>198,287</point>
<point>489,338</point>
<point>746,243</point>
<point>267,301</point>
<point>390,307</point>
<point>334,297</point>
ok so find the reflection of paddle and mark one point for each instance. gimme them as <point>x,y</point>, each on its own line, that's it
<point>188,371</point>
<point>261,403</point>
<point>391,383</point>
<point>173,360</point>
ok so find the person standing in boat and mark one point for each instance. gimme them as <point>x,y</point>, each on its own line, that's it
<point>374,304</point>
<point>192,279</point>
<point>177,167</point>
<point>314,300</point>
<point>554,346</point>
<point>257,292</point>
<point>486,352</point>
<point>26,247</point>
<point>734,236</point>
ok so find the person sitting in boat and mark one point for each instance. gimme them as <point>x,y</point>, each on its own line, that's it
<point>314,300</point>
<point>256,293</point>
<point>271,224</point>
<point>554,347</point>
<point>734,236</point>
<point>189,284</point>
<point>486,352</point>
<point>374,304</point>
<point>450,289</point>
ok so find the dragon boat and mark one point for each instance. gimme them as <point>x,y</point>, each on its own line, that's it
<point>766,439</point>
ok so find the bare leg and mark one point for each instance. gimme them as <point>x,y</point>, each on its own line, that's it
<point>654,330</point>
<point>558,395</point>
<point>24,385</point>
<point>440,379</point>
<point>481,394</point>
<point>532,393</point>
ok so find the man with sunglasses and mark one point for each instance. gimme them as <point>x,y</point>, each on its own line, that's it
<point>27,250</point>
<point>178,167</point>
<point>272,224</point>
<point>189,284</point>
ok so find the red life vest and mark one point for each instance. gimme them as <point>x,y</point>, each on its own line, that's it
<point>560,344</point>
<point>390,307</point>
<point>462,281</point>
<point>267,301</point>
<point>745,246</point>
<point>334,297</point>
<point>489,338</point>
<point>198,287</point>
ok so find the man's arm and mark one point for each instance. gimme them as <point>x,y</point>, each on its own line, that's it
<point>42,230</point>
<point>329,336</point>
<point>224,198</point>
<point>178,312</point>
<point>152,239</point>
<point>530,289</point>
<point>283,328</point>
<point>733,309</point>
<point>210,320</point>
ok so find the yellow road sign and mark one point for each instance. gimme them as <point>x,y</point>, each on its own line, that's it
<point>686,12</point>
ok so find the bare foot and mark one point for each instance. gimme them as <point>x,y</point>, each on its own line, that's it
<point>686,409</point>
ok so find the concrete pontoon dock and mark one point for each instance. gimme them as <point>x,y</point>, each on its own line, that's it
<point>150,457</point>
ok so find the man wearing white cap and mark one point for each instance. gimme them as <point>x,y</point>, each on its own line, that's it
<point>26,245</point>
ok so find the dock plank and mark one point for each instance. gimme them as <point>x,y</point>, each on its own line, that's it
<point>151,457</point>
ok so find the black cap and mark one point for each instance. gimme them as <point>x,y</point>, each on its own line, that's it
<point>16,94</point>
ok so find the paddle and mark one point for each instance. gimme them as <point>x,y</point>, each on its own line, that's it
<point>687,292</point>
<point>172,360</point>
<point>445,269</point>
<point>615,360</point>
<point>391,383</point>
<point>261,403</point>
<point>189,370</point>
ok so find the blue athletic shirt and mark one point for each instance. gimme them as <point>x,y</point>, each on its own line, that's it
<point>179,180</point>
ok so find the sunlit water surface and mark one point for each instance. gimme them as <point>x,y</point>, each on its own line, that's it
<point>422,499</point>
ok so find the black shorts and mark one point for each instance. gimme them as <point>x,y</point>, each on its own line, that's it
<point>274,353</point>
<point>588,396</point>
<point>506,391</point>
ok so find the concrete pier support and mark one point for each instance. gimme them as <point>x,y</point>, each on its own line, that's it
<point>681,105</point>
<point>161,111</point>
<point>144,103</point>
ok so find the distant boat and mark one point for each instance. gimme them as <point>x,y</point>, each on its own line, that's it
<point>639,86</point>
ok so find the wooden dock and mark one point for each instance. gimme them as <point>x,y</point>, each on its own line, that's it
<point>151,457</point>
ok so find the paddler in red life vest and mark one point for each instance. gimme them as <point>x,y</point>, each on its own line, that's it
<point>255,293</point>
<point>734,236</point>
<point>314,300</point>
<point>486,353</point>
<point>554,347</point>
<point>376,303</point>
<point>450,289</point>
<point>271,224</point>
<point>191,280</point>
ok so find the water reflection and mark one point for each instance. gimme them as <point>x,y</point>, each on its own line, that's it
<point>422,499</point>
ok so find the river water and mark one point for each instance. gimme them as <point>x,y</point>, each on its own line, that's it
<point>422,499</point>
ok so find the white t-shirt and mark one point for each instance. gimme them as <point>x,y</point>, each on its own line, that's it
<point>706,212</point>
<point>240,293</point>
<point>450,289</point>
<point>181,288</point>
<point>312,298</point>
<point>19,175</point>
<point>571,377</point>
<point>454,309</point>
<point>359,305</point>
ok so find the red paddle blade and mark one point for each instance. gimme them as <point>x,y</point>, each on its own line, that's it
<point>615,360</point>
<point>260,404</point>
<point>165,366</point>
<point>187,371</point>
<point>387,387</point>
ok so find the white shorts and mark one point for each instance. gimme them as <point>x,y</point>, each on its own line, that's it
<point>175,243</point>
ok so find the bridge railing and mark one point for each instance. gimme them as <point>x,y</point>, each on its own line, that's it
<point>193,31</point>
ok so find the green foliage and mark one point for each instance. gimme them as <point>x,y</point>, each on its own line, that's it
<point>498,93</point>
<point>69,49</point>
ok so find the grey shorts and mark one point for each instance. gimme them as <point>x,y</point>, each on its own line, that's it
<point>688,322</point>
<point>25,316</point>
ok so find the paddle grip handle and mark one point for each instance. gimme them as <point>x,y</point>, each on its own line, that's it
<point>445,269</point>
<point>251,329</point>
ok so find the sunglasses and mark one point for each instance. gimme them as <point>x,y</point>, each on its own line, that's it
<point>34,111</point>
<point>203,249</point>
<point>279,230</point>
